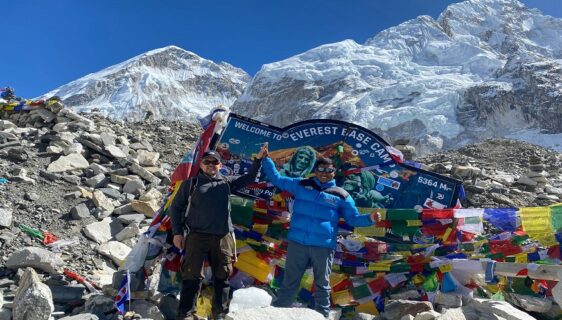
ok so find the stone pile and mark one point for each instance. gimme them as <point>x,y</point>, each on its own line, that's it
<point>503,173</point>
<point>95,184</point>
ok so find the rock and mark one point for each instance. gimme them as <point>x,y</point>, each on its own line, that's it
<point>459,314</point>
<point>115,152</point>
<point>84,192</point>
<point>98,305</point>
<point>97,169</point>
<point>80,211</point>
<point>553,190</point>
<point>72,179</point>
<point>68,163</point>
<point>108,139</point>
<point>529,303</point>
<point>467,172</point>
<point>554,312</point>
<point>526,181</point>
<point>248,298</point>
<point>111,193</point>
<point>475,189</point>
<point>127,208</point>
<point>396,309</point>
<point>54,149</point>
<point>6,217</point>
<point>123,179</point>
<point>533,174</point>
<point>147,309</point>
<point>552,197</point>
<point>152,194</point>
<point>18,154</point>
<point>36,258</point>
<point>131,218</point>
<point>75,147</point>
<point>95,181</point>
<point>114,250</point>
<point>406,295</point>
<point>504,178</point>
<point>67,293</point>
<point>427,315</point>
<point>72,195</point>
<point>364,316</point>
<point>147,158</point>
<point>498,308</point>
<point>143,173</point>
<point>129,232</point>
<point>48,175</point>
<point>272,313</point>
<point>148,208</point>
<point>45,114</point>
<point>502,199</point>
<point>81,316</point>
<point>134,187</point>
<point>102,202</point>
<point>102,231</point>
<point>448,300</point>
<point>31,196</point>
<point>5,314</point>
<point>33,300</point>
<point>5,124</point>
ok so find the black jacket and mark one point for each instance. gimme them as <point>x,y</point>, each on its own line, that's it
<point>210,203</point>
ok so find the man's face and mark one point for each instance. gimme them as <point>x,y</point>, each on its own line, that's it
<point>210,166</point>
<point>325,173</point>
<point>302,161</point>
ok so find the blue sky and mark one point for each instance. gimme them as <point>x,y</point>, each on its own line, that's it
<point>47,43</point>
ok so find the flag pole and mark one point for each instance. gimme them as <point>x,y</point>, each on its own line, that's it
<point>129,288</point>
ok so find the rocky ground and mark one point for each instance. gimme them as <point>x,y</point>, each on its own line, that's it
<point>95,183</point>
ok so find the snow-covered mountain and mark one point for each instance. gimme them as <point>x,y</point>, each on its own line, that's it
<point>170,83</point>
<point>484,68</point>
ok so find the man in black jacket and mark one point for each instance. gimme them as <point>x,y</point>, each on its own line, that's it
<point>205,213</point>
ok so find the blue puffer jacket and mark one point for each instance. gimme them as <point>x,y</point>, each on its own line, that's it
<point>315,216</point>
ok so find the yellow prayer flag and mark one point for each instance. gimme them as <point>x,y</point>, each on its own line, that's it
<point>521,258</point>
<point>379,266</point>
<point>261,228</point>
<point>342,298</point>
<point>368,307</point>
<point>446,267</point>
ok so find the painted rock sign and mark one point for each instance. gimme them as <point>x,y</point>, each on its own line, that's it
<point>373,176</point>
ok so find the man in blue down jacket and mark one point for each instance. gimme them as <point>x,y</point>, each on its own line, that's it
<point>318,206</point>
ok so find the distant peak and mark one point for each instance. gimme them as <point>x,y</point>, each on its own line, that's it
<point>169,50</point>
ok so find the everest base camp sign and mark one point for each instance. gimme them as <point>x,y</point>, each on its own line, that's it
<point>366,169</point>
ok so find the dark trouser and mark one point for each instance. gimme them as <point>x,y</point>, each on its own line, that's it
<point>299,257</point>
<point>220,250</point>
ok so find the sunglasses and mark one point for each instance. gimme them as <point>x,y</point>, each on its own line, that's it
<point>212,162</point>
<point>327,170</point>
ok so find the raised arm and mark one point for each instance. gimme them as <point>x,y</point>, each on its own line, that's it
<point>272,175</point>
<point>239,182</point>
